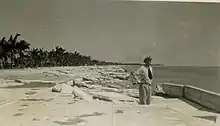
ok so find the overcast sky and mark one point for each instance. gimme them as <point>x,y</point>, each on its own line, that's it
<point>171,33</point>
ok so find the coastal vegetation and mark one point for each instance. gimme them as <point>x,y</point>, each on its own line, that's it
<point>17,53</point>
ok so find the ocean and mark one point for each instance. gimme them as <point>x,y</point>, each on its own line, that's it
<point>207,78</point>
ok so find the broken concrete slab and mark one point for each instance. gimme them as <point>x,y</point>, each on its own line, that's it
<point>66,89</point>
<point>51,73</point>
<point>112,96</point>
<point>80,93</point>
<point>57,88</point>
<point>34,81</point>
<point>158,89</point>
<point>101,97</point>
<point>120,76</point>
<point>78,83</point>
<point>63,88</point>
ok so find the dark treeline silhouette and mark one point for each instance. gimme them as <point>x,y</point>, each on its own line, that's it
<point>15,53</point>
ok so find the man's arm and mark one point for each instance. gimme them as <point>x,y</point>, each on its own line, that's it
<point>135,75</point>
<point>134,78</point>
<point>145,75</point>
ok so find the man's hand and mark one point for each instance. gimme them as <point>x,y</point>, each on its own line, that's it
<point>134,79</point>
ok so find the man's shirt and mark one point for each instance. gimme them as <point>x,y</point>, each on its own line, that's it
<point>143,75</point>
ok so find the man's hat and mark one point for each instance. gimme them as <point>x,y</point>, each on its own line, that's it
<point>147,59</point>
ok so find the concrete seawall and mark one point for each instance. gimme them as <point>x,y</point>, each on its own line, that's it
<point>200,96</point>
<point>203,97</point>
<point>173,90</point>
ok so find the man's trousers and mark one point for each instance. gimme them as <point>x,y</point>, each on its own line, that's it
<point>145,94</point>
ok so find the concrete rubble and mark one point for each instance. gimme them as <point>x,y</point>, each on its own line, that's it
<point>62,88</point>
<point>57,88</point>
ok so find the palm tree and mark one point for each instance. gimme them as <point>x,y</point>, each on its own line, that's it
<point>44,57</point>
<point>59,51</point>
<point>36,57</point>
<point>41,57</point>
<point>77,58</point>
<point>2,52</point>
<point>20,54</point>
<point>5,51</point>
<point>12,42</point>
<point>52,57</point>
<point>22,46</point>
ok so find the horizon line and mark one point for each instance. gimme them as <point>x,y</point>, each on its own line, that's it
<point>173,1</point>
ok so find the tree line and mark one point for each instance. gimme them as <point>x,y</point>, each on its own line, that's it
<point>16,53</point>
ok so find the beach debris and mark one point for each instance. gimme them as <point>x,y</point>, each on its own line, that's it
<point>51,73</point>
<point>82,94</point>
<point>57,88</point>
<point>66,89</point>
<point>159,89</point>
<point>101,97</point>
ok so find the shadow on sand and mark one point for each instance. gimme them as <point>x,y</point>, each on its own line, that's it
<point>32,85</point>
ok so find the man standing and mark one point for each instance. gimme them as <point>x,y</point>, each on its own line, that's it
<point>144,77</point>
